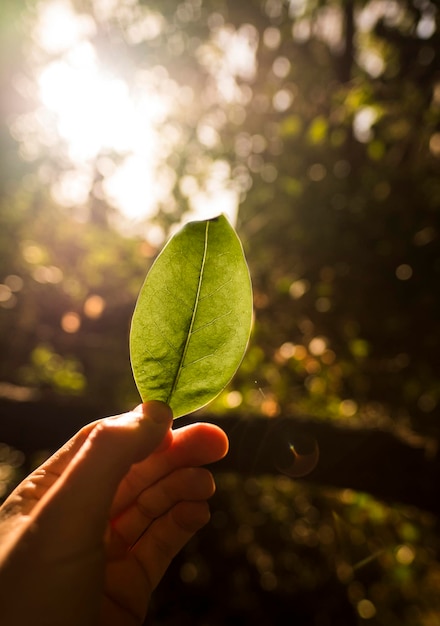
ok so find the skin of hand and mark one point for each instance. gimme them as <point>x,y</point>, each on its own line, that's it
<point>87,536</point>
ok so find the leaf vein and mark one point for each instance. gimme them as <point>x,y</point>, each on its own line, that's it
<point>164,336</point>
<point>211,293</point>
<point>193,316</point>
<point>158,361</point>
<point>219,317</point>
<point>175,296</point>
<point>201,358</point>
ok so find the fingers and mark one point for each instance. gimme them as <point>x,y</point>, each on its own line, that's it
<point>189,483</point>
<point>190,446</point>
<point>167,536</point>
<point>85,490</point>
<point>147,563</point>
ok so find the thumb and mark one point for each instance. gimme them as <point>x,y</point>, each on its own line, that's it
<point>81,498</point>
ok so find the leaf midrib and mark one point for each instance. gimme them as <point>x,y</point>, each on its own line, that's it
<point>193,317</point>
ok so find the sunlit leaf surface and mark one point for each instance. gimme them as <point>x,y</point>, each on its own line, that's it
<point>193,317</point>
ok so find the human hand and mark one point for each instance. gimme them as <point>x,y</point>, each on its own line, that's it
<point>87,537</point>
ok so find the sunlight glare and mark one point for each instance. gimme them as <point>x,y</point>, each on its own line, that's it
<point>206,205</point>
<point>59,28</point>
<point>93,111</point>
<point>215,197</point>
<point>114,134</point>
<point>136,188</point>
<point>98,115</point>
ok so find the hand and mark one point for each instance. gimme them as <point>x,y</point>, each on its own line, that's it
<point>87,536</point>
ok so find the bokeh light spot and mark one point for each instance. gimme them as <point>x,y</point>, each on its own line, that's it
<point>317,346</point>
<point>287,350</point>
<point>48,274</point>
<point>5,293</point>
<point>298,288</point>
<point>348,408</point>
<point>272,37</point>
<point>323,304</point>
<point>404,271</point>
<point>94,306</point>
<point>233,399</point>
<point>14,282</point>
<point>70,322</point>
<point>282,100</point>
<point>32,253</point>
<point>366,609</point>
<point>281,67</point>
<point>405,555</point>
<point>188,572</point>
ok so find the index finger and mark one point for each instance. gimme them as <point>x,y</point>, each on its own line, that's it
<point>189,446</point>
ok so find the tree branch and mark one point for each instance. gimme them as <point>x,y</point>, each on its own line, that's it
<point>373,461</point>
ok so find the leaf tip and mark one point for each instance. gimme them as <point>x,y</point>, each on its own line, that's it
<point>216,218</point>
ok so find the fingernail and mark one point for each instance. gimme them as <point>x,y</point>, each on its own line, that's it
<point>157,411</point>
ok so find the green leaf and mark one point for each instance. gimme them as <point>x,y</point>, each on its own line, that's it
<point>193,317</point>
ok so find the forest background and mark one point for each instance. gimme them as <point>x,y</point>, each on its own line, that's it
<point>315,127</point>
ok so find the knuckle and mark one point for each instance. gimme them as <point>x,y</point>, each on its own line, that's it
<point>104,434</point>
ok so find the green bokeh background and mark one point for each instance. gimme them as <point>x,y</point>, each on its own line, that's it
<point>332,146</point>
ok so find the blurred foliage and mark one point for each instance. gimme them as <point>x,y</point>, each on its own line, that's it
<point>321,119</point>
<point>305,556</point>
